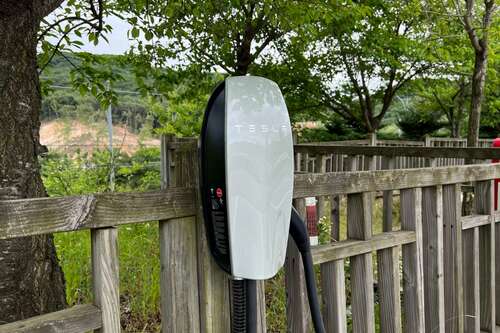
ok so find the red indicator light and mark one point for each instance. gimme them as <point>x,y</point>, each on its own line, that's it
<point>218,192</point>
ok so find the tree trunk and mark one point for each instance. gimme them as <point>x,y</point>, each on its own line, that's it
<point>31,280</point>
<point>459,106</point>
<point>478,79</point>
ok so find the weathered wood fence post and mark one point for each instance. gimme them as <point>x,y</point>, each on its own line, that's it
<point>178,249</point>
<point>483,200</point>
<point>453,262</point>
<point>432,226</point>
<point>413,266</point>
<point>105,277</point>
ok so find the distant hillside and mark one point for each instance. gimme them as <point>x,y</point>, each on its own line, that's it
<point>64,102</point>
<point>71,136</point>
<point>58,71</point>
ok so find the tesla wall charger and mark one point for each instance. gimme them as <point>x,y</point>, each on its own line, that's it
<point>247,176</point>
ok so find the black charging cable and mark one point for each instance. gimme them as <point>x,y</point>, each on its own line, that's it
<point>298,231</point>
<point>244,306</point>
<point>244,292</point>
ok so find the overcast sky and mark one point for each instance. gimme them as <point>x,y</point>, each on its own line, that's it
<point>118,41</point>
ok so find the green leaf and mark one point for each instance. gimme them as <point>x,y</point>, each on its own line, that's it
<point>135,32</point>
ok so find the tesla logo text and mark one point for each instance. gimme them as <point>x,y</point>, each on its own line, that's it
<point>262,128</point>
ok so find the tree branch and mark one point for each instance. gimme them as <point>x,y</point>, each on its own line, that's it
<point>69,18</point>
<point>471,32</point>
<point>56,48</point>
<point>271,37</point>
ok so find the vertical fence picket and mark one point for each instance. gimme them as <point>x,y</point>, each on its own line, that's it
<point>452,232</point>
<point>297,306</point>
<point>213,288</point>
<point>388,272</point>
<point>321,167</point>
<point>389,290</point>
<point>333,280</point>
<point>105,278</point>
<point>483,202</point>
<point>470,248</point>
<point>413,269</point>
<point>432,226</point>
<point>334,297</point>
<point>388,164</point>
<point>359,226</point>
<point>178,251</point>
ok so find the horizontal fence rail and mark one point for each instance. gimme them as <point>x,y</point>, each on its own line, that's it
<point>77,319</point>
<point>406,154</point>
<point>323,184</point>
<point>27,217</point>
<point>427,152</point>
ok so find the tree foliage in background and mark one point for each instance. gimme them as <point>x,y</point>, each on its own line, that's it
<point>230,35</point>
<point>366,54</point>
<point>182,111</point>
<point>416,124</point>
<point>479,23</point>
<point>444,98</point>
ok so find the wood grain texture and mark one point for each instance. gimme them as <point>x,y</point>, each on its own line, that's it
<point>393,151</point>
<point>473,221</point>
<point>432,223</point>
<point>333,296</point>
<point>297,306</point>
<point>413,265</point>
<point>77,319</point>
<point>359,226</point>
<point>389,290</point>
<point>453,272</point>
<point>49,215</point>
<point>365,181</point>
<point>387,202</point>
<point>333,279</point>
<point>321,199</point>
<point>214,289</point>
<point>213,282</point>
<point>179,276</point>
<point>180,308</point>
<point>351,247</point>
<point>483,203</point>
<point>388,269</point>
<point>261,307</point>
<point>470,241</point>
<point>105,280</point>
<point>335,218</point>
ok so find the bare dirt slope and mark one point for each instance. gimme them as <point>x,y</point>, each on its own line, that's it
<point>70,136</point>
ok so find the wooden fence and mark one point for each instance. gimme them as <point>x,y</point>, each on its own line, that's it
<point>448,272</point>
<point>337,161</point>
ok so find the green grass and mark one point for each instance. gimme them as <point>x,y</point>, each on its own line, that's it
<point>139,273</point>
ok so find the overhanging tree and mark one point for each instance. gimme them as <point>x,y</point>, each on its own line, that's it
<point>218,35</point>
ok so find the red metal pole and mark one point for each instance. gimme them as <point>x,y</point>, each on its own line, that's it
<point>312,220</point>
